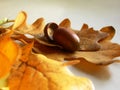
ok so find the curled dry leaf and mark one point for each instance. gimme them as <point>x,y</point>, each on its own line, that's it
<point>110,30</point>
<point>9,52</point>
<point>20,20</point>
<point>39,72</point>
<point>20,25</point>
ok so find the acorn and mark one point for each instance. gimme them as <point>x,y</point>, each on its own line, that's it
<point>65,37</point>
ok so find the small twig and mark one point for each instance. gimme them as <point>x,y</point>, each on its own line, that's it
<point>5,21</point>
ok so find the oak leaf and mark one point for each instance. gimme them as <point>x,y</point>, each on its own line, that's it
<point>20,25</point>
<point>9,52</point>
<point>95,46</point>
<point>39,72</point>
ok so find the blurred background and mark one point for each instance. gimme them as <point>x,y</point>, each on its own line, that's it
<point>95,13</point>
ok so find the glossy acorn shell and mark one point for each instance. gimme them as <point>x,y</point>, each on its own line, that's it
<point>66,38</point>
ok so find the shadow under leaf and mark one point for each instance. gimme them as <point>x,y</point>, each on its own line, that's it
<point>98,71</point>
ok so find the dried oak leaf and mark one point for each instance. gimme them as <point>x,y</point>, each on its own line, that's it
<point>9,52</point>
<point>41,73</point>
<point>90,38</point>
<point>20,25</point>
<point>95,46</point>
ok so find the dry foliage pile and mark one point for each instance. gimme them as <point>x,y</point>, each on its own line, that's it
<point>38,64</point>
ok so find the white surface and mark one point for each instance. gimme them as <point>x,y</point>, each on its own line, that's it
<point>96,13</point>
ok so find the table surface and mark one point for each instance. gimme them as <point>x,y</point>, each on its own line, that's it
<point>95,13</point>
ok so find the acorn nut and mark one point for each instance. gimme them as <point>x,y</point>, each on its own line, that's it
<point>65,37</point>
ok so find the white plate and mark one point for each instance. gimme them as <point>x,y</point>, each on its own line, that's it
<point>96,13</point>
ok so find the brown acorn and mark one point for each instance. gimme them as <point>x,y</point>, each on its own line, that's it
<point>65,37</point>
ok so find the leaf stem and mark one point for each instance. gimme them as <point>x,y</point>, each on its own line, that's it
<point>4,21</point>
